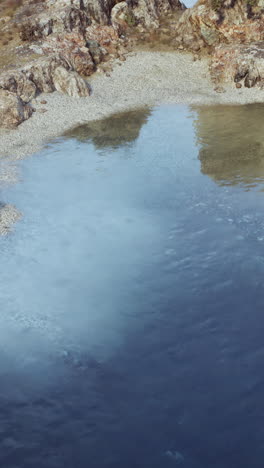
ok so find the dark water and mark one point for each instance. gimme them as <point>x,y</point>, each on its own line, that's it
<point>132,297</point>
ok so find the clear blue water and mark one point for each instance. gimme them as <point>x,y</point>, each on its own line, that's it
<point>132,298</point>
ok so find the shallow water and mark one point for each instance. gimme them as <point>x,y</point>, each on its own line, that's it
<point>131,326</point>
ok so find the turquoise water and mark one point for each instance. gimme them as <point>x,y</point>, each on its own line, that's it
<point>132,295</point>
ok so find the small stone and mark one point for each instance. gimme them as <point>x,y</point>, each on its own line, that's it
<point>43,102</point>
<point>42,111</point>
<point>238,85</point>
<point>219,89</point>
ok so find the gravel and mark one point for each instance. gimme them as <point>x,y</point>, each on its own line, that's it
<point>144,79</point>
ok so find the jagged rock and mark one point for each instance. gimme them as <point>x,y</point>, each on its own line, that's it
<point>18,83</point>
<point>62,16</point>
<point>73,37</point>
<point>147,12</point>
<point>122,17</point>
<point>13,110</point>
<point>211,22</point>
<point>82,61</point>
<point>239,63</point>
<point>35,28</point>
<point>68,82</point>
<point>97,52</point>
<point>40,73</point>
<point>97,10</point>
<point>72,47</point>
<point>104,35</point>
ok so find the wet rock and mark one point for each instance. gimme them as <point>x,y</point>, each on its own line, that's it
<point>13,110</point>
<point>70,83</point>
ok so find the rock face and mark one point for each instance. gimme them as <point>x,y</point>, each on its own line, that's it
<point>18,83</point>
<point>211,22</point>
<point>233,32</point>
<point>72,37</point>
<point>69,82</point>
<point>239,63</point>
<point>62,16</point>
<point>12,109</point>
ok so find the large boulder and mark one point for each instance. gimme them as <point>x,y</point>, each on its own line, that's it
<point>69,82</point>
<point>13,110</point>
<point>18,83</point>
<point>239,63</point>
<point>72,47</point>
<point>211,22</point>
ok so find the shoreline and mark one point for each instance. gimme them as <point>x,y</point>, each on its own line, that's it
<point>146,78</point>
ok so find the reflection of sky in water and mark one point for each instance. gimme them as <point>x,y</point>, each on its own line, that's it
<point>131,296</point>
<point>189,3</point>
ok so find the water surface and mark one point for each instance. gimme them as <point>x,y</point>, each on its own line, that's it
<point>131,326</point>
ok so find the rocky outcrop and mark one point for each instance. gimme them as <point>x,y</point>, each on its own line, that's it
<point>45,75</point>
<point>243,64</point>
<point>71,38</point>
<point>211,22</point>
<point>62,16</point>
<point>18,83</point>
<point>233,32</point>
<point>13,110</point>
<point>69,82</point>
